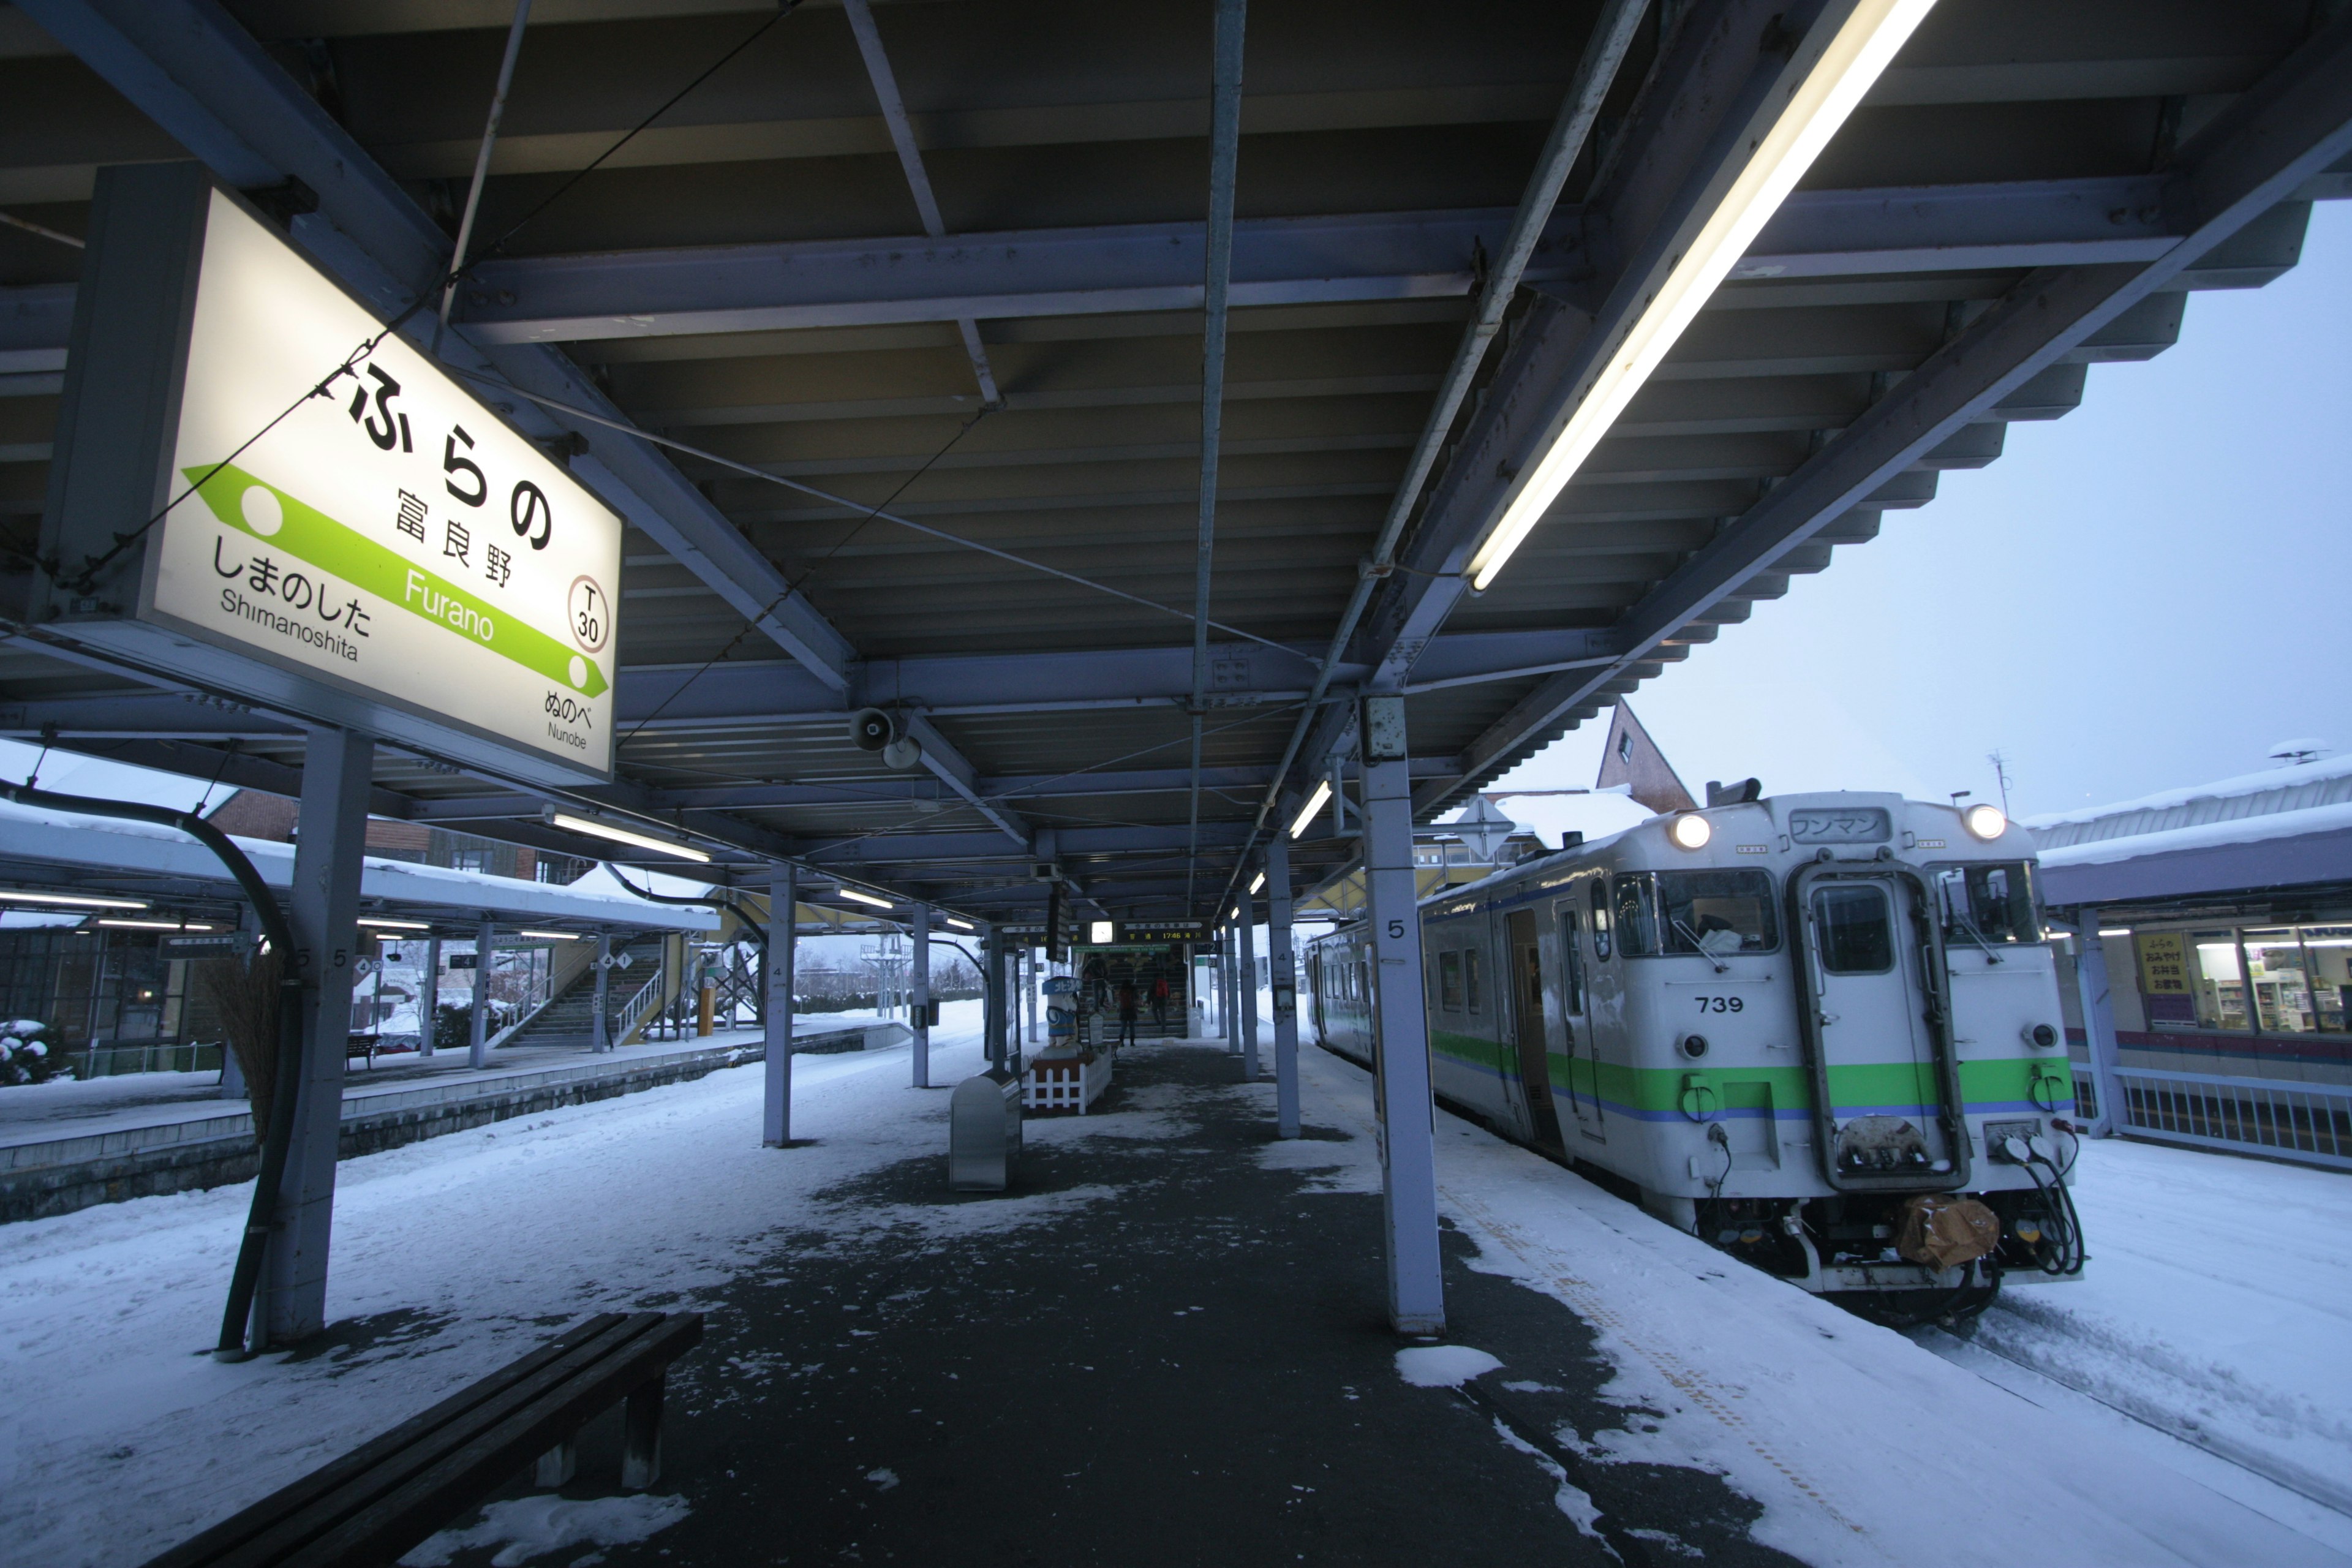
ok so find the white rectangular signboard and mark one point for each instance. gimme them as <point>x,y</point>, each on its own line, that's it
<point>374,528</point>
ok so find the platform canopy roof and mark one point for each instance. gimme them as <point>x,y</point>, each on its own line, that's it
<point>948,260</point>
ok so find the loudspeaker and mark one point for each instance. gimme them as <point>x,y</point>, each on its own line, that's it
<point>871,729</point>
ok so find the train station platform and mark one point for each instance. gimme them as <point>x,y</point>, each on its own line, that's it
<point>1166,1345</point>
<point>65,1145</point>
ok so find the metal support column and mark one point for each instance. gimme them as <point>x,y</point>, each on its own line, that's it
<point>1285,985</point>
<point>2098,1021</point>
<point>1248,969</point>
<point>600,1034</point>
<point>477,1049</point>
<point>429,997</point>
<point>325,909</point>
<point>918,995</point>
<point>784,906</point>
<point>1401,1023</point>
<point>991,986</point>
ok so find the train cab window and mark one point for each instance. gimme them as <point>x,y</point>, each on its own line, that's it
<point>1716,913</point>
<point>1857,930</point>
<point>1992,904</point>
<point>1601,919</point>
<point>1637,922</point>
<point>1470,977</point>
<point>1449,982</point>
<point>1572,964</point>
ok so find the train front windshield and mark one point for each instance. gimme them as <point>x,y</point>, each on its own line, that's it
<point>1709,913</point>
<point>1991,902</point>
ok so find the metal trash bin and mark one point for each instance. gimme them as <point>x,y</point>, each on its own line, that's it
<point>983,1131</point>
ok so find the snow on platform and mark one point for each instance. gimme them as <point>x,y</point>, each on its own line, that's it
<point>843,1287</point>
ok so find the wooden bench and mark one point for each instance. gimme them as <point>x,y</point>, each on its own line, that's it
<point>375,1503</point>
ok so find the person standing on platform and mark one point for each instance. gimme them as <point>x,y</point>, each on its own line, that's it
<point>1159,1003</point>
<point>1127,1010</point>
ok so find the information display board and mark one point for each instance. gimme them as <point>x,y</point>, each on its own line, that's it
<point>343,522</point>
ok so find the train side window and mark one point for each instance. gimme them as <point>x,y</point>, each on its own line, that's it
<point>1857,930</point>
<point>1572,964</point>
<point>1470,977</point>
<point>1449,982</point>
<point>1601,919</point>
<point>1636,916</point>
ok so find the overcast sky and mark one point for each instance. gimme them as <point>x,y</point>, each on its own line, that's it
<point>2151,591</point>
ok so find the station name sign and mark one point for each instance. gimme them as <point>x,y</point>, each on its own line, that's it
<point>354,537</point>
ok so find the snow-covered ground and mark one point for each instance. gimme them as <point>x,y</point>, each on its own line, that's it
<point>117,1436</point>
<point>2217,1304</point>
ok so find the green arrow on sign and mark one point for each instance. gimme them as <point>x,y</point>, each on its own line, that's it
<point>254,507</point>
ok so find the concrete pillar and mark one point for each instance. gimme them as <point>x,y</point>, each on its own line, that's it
<point>1226,1012</point>
<point>1286,970</point>
<point>428,994</point>
<point>783,904</point>
<point>1248,970</point>
<point>2099,1022</point>
<point>477,1051</point>
<point>1401,1023</point>
<point>600,1031</point>
<point>324,907</point>
<point>918,992</point>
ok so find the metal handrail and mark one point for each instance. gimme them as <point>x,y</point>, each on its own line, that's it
<point>634,1010</point>
<point>2282,1118</point>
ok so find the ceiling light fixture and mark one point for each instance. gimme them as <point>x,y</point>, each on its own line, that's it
<point>959,925</point>
<point>594,828</point>
<point>1314,803</point>
<point>551,935</point>
<point>1257,881</point>
<point>371,920</point>
<point>72,901</point>
<point>1846,68</point>
<point>151,925</point>
<point>854,895</point>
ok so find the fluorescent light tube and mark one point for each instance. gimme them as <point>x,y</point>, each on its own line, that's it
<point>1257,881</point>
<point>151,925</point>
<point>959,925</point>
<point>853,894</point>
<point>73,901</point>
<point>394,925</point>
<point>1873,34</point>
<point>551,935</point>
<point>595,829</point>
<point>1314,803</point>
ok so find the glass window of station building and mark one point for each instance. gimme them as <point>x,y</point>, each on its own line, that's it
<point>2239,979</point>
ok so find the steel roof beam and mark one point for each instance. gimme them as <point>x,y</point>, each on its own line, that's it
<point>2255,155</point>
<point>1128,267</point>
<point>947,848</point>
<point>765,693</point>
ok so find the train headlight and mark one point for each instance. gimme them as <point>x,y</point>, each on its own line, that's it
<point>1690,830</point>
<point>1986,822</point>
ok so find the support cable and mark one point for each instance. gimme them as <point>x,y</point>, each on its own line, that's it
<point>1596,72</point>
<point>1225,160</point>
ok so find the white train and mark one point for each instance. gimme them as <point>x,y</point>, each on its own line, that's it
<point>1804,1027</point>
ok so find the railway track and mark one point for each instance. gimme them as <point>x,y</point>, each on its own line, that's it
<point>2282,1513</point>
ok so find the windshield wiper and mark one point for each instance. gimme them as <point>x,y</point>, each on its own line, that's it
<point>1699,947</point>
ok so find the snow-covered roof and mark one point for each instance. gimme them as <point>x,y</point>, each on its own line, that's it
<point>2234,807</point>
<point>31,835</point>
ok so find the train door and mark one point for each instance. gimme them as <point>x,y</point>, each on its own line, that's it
<point>1885,1084</point>
<point>1583,1072</point>
<point>1525,961</point>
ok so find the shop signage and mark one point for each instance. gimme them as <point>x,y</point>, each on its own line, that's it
<point>2163,963</point>
<point>370,545</point>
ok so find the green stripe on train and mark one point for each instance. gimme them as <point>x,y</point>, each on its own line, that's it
<point>1999,1080</point>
